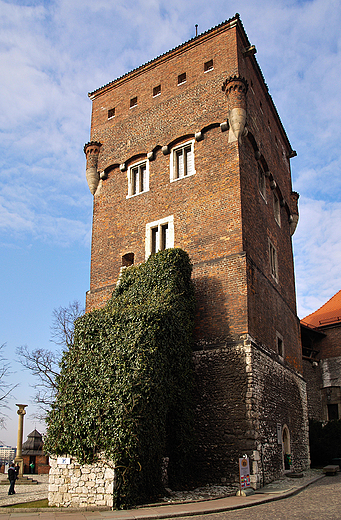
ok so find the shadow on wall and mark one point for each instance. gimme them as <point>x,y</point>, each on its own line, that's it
<point>211,318</point>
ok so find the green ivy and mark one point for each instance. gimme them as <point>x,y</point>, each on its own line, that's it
<point>125,386</point>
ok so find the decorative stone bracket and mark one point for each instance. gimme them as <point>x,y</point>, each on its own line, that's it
<point>235,88</point>
<point>293,220</point>
<point>91,151</point>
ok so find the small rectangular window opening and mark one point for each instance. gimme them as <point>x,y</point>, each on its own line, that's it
<point>277,209</point>
<point>164,238</point>
<point>280,346</point>
<point>182,78</point>
<point>133,102</point>
<point>111,113</point>
<point>157,91</point>
<point>273,261</point>
<point>155,240</point>
<point>261,182</point>
<point>333,412</point>
<point>128,259</point>
<point>208,65</point>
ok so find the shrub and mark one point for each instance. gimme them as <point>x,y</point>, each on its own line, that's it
<point>125,385</point>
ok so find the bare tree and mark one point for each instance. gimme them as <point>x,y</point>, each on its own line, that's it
<point>5,386</point>
<point>62,329</point>
<point>44,363</point>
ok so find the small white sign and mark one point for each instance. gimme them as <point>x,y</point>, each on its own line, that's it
<point>279,434</point>
<point>63,460</point>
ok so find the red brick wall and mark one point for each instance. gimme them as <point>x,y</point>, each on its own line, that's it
<point>41,466</point>
<point>224,224</point>
<point>219,211</point>
<point>330,346</point>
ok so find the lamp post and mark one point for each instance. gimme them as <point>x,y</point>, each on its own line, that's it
<point>18,459</point>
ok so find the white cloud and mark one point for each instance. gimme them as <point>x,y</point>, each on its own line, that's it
<point>317,254</point>
<point>53,53</point>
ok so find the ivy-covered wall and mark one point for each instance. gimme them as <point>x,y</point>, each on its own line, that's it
<point>125,386</point>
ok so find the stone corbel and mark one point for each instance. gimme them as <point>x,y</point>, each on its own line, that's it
<point>224,126</point>
<point>91,151</point>
<point>250,51</point>
<point>235,88</point>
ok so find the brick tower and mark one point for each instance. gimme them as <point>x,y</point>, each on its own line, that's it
<point>188,151</point>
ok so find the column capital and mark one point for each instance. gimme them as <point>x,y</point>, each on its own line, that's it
<point>21,410</point>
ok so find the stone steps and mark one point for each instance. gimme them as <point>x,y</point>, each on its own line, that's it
<point>21,481</point>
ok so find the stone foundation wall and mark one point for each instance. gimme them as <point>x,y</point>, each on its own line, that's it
<point>77,485</point>
<point>246,397</point>
<point>313,376</point>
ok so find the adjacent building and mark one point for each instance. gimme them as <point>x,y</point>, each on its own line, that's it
<point>35,460</point>
<point>188,151</point>
<point>7,454</point>
<point>321,350</point>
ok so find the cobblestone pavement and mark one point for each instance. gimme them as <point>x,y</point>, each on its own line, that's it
<point>24,493</point>
<point>321,500</point>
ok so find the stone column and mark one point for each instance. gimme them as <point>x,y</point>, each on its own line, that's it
<point>18,459</point>
<point>91,151</point>
<point>235,88</point>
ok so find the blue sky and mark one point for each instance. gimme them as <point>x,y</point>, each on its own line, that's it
<point>52,53</point>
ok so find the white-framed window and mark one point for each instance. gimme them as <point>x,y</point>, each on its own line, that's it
<point>138,178</point>
<point>261,182</point>
<point>159,235</point>
<point>277,208</point>
<point>182,161</point>
<point>273,261</point>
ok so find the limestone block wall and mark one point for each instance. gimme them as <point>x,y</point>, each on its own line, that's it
<point>81,485</point>
<point>278,401</point>
<point>246,397</point>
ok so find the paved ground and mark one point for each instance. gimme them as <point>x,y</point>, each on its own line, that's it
<point>319,501</point>
<point>24,493</point>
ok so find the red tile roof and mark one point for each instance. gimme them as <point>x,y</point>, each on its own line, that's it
<point>328,314</point>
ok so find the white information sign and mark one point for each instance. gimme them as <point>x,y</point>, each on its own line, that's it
<point>279,434</point>
<point>63,460</point>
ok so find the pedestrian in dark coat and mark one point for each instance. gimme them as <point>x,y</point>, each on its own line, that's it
<point>12,477</point>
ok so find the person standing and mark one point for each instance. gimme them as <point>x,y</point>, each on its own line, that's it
<point>12,478</point>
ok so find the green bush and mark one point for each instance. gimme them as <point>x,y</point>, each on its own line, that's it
<point>125,386</point>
